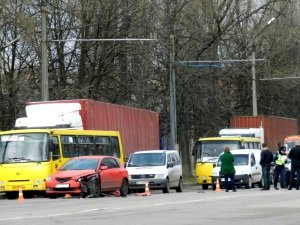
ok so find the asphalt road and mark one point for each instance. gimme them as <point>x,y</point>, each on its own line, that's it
<point>193,206</point>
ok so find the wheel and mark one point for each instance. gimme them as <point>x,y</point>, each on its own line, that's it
<point>249,182</point>
<point>179,188</point>
<point>12,195</point>
<point>204,186</point>
<point>95,188</point>
<point>124,189</point>
<point>167,187</point>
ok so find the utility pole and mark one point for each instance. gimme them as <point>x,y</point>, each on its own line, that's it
<point>173,125</point>
<point>254,97</point>
<point>44,54</point>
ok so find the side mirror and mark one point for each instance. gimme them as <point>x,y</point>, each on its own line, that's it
<point>103,168</point>
<point>170,164</point>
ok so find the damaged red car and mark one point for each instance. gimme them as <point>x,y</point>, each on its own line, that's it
<point>88,176</point>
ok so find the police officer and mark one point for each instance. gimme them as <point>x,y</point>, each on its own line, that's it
<point>280,159</point>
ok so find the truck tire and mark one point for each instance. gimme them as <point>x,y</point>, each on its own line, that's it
<point>249,183</point>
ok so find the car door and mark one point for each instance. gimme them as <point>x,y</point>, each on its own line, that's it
<point>106,175</point>
<point>173,170</point>
<point>254,168</point>
<point>116,173</point>
<point>111,178</point>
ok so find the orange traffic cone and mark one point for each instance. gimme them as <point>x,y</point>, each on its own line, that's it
<point>21,197</point>
<point>147,191</point>
<point>67,196</point>
<point>217,186</point>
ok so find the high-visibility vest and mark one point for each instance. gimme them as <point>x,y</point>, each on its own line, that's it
<point>279,161</point>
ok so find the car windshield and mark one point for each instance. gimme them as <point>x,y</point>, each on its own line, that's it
<point>147,159</point>
<point>80,164</point>
<point>239,160</point>
<point>215,148</point>
<point>26,147</point>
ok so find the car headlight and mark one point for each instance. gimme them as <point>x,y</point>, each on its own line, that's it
<point>159,176</point>
<point>79,179</point>
<point>1,182</point>
<point>38,181</point>
<point>48,179</point>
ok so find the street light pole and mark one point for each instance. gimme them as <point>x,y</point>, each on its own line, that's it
<point>44,54</point>
<point>254,97</point>
<point>173,125</point>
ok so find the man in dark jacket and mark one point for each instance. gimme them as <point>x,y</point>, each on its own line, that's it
<point>294,155</point>
<point>266,158</point>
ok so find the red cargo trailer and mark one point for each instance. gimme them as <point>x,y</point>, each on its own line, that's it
<point>275,128</point>
<point>139,128</point>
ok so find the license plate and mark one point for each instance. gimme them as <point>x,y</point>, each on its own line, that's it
<point>62,185</point>
<point>140,182</point>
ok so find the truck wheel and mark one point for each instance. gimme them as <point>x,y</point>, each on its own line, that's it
<point>204,186</point>
<point>249,183</point>
<point>167,187</point>
<point>179,188</point>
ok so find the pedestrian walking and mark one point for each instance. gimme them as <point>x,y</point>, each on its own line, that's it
<point>266,158</point>
<point>294,156</point>
<point>280,159</point>
<point>227,169</point>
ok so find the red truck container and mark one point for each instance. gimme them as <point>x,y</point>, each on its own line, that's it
<point>139,128</point>
<point>275,128</point>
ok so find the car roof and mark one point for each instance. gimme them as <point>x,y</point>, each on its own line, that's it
<point>155,151</point>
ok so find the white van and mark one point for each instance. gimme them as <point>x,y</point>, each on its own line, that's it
<point>248,171</point>
<point>162,169</point>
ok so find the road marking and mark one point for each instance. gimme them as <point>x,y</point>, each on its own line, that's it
<point>125,208</point>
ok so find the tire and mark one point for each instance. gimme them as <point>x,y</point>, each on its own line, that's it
<point>249,183</point>
<point>95,192</point>
<point>204,186</point>
<point>12,195</point>
<point>179,188</point>
<point>167,187</point>
<point>124,189</point>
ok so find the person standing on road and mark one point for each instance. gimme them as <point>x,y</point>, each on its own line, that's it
<point>266,158</point>
<point>294,155</point>
<point>227,169</point>
<point>280,160</point>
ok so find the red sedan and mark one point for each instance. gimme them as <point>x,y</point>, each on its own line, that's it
<point>88,176</point>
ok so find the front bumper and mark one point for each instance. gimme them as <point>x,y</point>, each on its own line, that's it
<point>238,179</point>
<point>152,184</point>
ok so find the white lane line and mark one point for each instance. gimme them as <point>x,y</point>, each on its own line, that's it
<point>128,207</point>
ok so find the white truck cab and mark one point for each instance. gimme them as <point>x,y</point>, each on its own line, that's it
<point>248,171</point>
